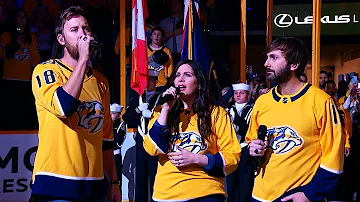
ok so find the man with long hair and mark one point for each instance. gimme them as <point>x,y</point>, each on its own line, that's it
<point>302,155</point>
<point>75,134</point>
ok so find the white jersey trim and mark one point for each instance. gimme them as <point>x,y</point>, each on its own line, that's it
<point>262,200</point>
<point>118,151</point>
<point>244,144</point>
<point>59,104</point>
<point>224,163</point>
<point>156,146</point>
<point>68,177</point>
<point>180,200</point>
<point>330,170</point>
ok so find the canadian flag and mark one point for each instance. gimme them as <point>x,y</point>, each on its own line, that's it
<point>139,74</point>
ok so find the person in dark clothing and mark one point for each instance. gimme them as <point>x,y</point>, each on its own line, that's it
<point>137,116</point>
<point>119,135</point>
<point>241,181</point>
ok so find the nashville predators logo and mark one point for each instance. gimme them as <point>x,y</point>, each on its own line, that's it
<point>158,69</point>
<point>283,139</point>
<point>22,55</point>
<point>91,116</point>
<point>190,141</point>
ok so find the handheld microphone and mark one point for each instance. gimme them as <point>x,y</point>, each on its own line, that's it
<point>96,44</point>
<point>261,136</point>
<point>262,132</point>
<point>168,98</point>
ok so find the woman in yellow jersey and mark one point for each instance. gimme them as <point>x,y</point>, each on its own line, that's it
<point>18,48</point>
<point>195,140</point>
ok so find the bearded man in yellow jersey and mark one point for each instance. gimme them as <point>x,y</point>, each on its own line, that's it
<point>75,128</point>
<point>302,155</point>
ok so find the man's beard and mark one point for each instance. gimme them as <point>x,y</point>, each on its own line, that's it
<point>282,76</point>
<point>73,51</point>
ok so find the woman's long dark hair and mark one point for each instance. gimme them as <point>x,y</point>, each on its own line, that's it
<point>14,31</point>
<point>202,105</point>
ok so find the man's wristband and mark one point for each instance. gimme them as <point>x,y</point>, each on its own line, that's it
<point>114,182</point>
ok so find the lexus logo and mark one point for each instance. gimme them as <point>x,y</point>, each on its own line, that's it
<point>283,20</point>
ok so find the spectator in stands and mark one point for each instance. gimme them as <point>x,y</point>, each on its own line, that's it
<point>355,140</point>
<point>19,49</point>
<point>323,77</point>
<point>173,26</point>
<point>43,31</point>
<point>342,89</point>
<point>241,181</point>
<point>261,89</point>
<point>227,97</point>
<point>159,58</point>
<point>352,99</point>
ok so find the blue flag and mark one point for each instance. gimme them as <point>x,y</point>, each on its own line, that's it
<point>194,44</point>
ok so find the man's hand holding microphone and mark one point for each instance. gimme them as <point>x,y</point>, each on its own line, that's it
<point>258,146</point>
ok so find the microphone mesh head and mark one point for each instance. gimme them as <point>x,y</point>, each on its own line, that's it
<point>177,90</point>
<point>262,129</point>
<point>262,132</point>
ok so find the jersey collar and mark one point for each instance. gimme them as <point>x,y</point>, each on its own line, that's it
<point>289,98</point>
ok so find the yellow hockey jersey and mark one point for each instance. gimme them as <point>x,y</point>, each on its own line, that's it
<point>69,161</point>
<point>164,70</point>
<point>306,146</point>
<point>343,98</point>
<point>20,66</point>
<point>194,181</point>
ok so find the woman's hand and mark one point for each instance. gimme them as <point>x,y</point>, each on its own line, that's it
<point>170,91</point>
<point>182,157</point>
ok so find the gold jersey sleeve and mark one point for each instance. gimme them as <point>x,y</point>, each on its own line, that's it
<point>331,138</point>
<point>149,145</point>
<point>46,79</point>
<point>20,65</point>
<point>227,141</point>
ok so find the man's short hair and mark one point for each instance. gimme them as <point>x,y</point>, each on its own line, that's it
<point>158,29</point>
<point>323,72</point>
<point>293,50</point>
<point>66,15</point>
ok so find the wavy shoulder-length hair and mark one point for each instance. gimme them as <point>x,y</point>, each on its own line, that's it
<point>202,105</point>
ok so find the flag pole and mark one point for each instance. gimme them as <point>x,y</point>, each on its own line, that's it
<point>122,55</point>
<point>316,28</point>
<point>269,9</point>
<point>243,42</point>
